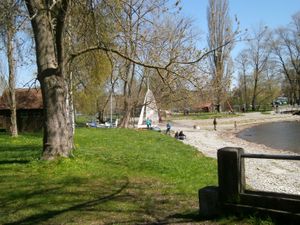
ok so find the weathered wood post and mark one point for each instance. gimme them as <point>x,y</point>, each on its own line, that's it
<point>231,173</point>
<point>209,205</point>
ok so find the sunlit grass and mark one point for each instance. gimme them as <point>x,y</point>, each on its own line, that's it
<point>202,116</point>
<point>116,176</point>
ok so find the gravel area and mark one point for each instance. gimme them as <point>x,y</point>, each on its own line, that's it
<point>261,174</point>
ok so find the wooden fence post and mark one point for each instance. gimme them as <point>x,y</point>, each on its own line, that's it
<point>231,173</point>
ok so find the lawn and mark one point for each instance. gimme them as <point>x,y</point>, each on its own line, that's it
<point>116,176</point>
<point>202,116</point>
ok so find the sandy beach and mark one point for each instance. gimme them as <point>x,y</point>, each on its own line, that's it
<point>261,174</point>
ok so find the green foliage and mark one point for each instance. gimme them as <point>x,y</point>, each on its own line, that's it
<point>91,70</point>
<point>92,97</point>
<point>81,120</point>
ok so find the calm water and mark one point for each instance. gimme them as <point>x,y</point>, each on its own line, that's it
<point>279,135</point>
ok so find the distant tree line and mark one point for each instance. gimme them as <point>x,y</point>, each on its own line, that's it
<point>269,66</point>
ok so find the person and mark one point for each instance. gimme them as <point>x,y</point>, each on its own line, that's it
<point>176,135</point>
<point>168,131</point>
<point>215,123</point>
<point>148,123</point>
<point>181,135</point>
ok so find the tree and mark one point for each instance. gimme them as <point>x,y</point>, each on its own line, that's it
<point>243,63</point>
<point>286,48</point>
<point>272,83</point>
<point>2,84</point>
<point>259,77</point>
<point>93,75</point>
<point>48,20</point>
<point>135,27</point>
<point>258,54</point>
<point>10,23</point>
<point>219,40</point>
<point>174,41</point>
<point>151,33</point>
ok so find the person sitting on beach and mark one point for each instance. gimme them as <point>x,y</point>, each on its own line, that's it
<point>176,135</point>
<point>181,135</point>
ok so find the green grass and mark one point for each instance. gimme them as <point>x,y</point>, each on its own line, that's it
<point>83,119</point>
<point>202,116</point>
<point>266,112</point>
<point>116,176</point>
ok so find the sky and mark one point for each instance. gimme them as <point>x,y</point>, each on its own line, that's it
<point>250,13</point>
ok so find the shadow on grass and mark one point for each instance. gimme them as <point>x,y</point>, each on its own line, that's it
<point>132,202</point>
<point>19,154</point>
<point>28,134</point>
<point>26,148</point>
<point>43,217</point>
<point>5,162</point>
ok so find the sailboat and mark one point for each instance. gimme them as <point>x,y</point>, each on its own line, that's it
<point>149,111</point>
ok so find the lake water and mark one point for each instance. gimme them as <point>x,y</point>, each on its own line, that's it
<point>278,135</point>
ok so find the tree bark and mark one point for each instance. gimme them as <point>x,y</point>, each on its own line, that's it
<point>57,139</point>
<point>12,80</point>
<point>56,133</point>
<point>127,115</point>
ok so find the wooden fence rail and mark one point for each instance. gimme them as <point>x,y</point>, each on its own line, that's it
<point>231,194</point>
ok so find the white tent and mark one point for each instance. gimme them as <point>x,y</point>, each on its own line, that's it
<point>149,110</point>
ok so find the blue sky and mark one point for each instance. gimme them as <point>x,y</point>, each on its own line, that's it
<point>250,13</point>
<point>273,13</point>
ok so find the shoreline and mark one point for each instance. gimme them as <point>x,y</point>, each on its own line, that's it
<point>226,133</point>
<point>261,174</point>
<point>232,135</point>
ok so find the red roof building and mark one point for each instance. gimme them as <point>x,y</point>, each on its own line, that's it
<point>29,104</point>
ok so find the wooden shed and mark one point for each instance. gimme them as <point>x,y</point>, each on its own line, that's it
<point>29,104</point>
<point>204,107</point>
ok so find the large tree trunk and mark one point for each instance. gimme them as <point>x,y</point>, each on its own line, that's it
<point>56,132</point>
<point>57,139</point>
<point>127,95</point>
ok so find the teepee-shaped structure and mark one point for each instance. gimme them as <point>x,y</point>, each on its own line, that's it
<point>149,110</point>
